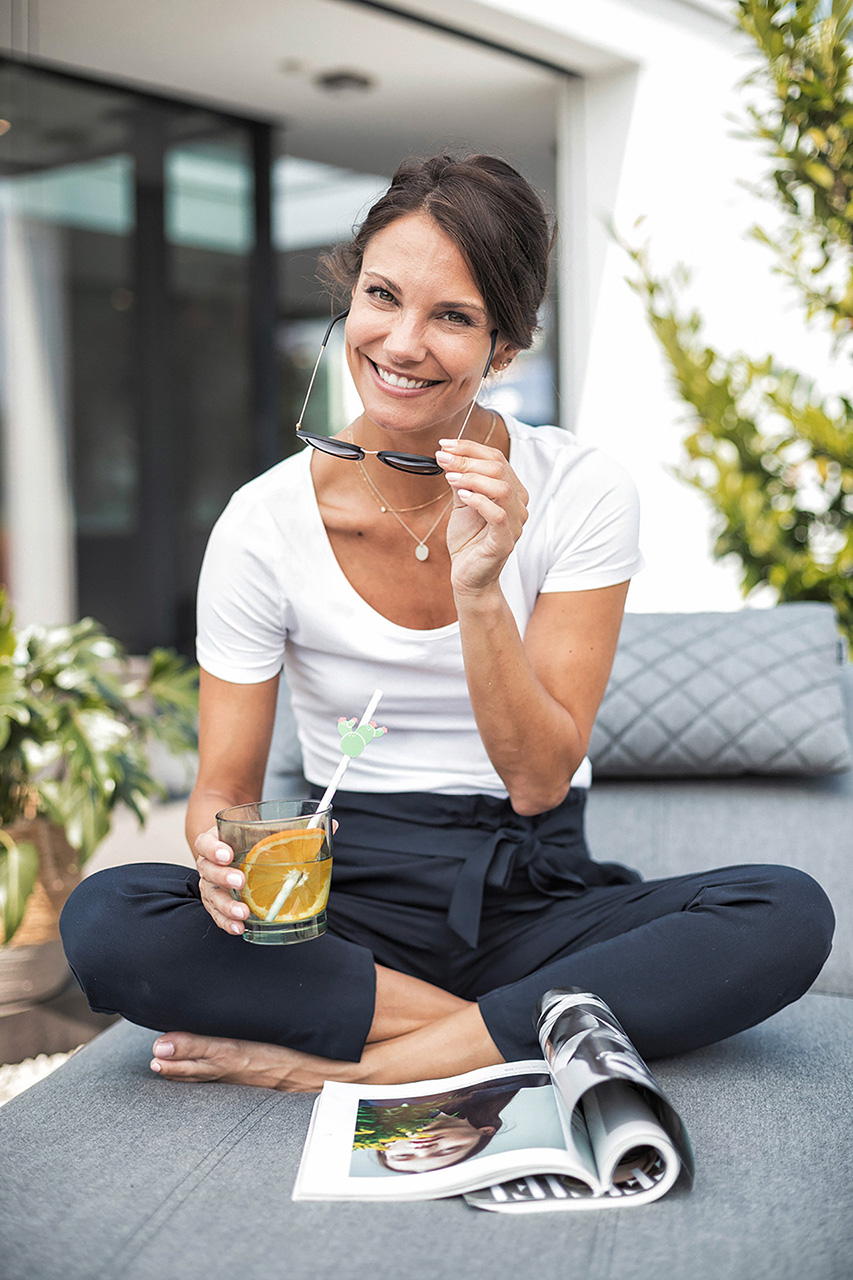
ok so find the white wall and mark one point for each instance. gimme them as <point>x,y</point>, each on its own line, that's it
<point>658,146</point>
<point>648,133</point>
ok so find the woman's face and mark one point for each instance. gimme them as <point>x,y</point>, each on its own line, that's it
<point>444,1141</point>
<point>418,333</point>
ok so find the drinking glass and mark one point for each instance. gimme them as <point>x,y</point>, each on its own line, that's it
<point>284,849</point>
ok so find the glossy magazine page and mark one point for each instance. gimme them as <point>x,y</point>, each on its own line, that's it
<point>439,1137</point>
<point>639,1143</point>
<point>585,1128</point>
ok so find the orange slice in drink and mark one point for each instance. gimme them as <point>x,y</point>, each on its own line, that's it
<point>272,859</point>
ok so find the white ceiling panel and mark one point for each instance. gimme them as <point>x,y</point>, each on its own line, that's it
<point>428,89</point>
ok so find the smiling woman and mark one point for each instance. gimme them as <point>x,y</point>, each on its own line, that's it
<point>415,463</point>
<point>487,210</point>
<point>462,885</point>
<point>456,1127</point>
<point>417,334</point>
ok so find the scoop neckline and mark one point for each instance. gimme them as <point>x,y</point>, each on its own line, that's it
<point>450,628</point>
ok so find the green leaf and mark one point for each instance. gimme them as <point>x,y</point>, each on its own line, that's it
<point>820,173</point>
<point>19,867</point>
<point>7,630</point>
<point>80,809</point>
<point>173,690</point>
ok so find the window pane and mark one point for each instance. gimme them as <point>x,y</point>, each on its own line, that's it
<point>67,222</point>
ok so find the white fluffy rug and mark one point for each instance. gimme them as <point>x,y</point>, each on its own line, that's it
<point>18,1076</point>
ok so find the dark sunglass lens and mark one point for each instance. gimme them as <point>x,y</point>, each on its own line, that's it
<point>417,464</point>
<point>338,448</point>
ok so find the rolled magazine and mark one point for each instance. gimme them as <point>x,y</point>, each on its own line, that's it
<point>586,1127</point>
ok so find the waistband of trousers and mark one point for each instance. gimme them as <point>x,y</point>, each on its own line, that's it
<point>488,839</point>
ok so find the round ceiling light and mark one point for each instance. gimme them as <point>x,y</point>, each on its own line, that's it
<point>344,82</point>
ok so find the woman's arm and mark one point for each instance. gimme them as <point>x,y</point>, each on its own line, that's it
<point>235,730</point>
<point>534,699</point>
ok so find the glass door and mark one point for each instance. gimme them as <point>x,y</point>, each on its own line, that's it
<point>126,233</point>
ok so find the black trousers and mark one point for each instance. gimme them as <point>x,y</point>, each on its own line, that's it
<point>463,893</point>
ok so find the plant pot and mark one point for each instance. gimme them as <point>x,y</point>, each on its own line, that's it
<point>33,966</point>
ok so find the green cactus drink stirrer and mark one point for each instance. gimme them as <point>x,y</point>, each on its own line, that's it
<point>354,739</point>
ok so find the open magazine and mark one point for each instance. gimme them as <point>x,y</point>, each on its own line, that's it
<point>586,1128</point>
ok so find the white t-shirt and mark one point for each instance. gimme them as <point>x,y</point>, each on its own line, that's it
<point>271,593</point>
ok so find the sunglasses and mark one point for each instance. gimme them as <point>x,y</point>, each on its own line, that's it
<point>417,464</point>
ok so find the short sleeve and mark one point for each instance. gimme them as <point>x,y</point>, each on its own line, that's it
<point>241,610</point>
<point>595,528</point>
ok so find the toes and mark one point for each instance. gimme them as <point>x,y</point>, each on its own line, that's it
<point>178,1055</point>
<point>185,1069</point>
<point>176,1045</point>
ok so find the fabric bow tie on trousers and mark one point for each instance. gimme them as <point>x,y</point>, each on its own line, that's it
<point>478,843</point>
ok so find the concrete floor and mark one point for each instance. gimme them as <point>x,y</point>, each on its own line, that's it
<point>160,840</point>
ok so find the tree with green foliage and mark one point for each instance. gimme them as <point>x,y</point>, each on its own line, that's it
<point>773,455</point>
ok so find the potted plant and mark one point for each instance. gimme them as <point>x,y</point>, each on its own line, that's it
<point>76,721</point>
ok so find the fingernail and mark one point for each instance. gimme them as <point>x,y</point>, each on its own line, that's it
<point>163,1048</point>
<point>465,493</point>
<point>441,456</point>
<point>453,476</point>
<point>235,928</point>
<point>222,855</point>
<point>237,911</point>
<point>155,1066</point>
<point>235,879</point>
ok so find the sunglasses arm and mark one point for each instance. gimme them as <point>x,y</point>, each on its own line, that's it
<point>482,380</point>
<point>490,359</point>
<point>340,316</point>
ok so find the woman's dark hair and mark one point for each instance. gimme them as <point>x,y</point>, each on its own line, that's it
<point>492,215</point>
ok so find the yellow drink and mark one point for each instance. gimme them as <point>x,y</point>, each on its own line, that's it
<point>296,864</point>
<point>284,849</point>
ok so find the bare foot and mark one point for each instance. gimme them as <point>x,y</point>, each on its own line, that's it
<point>457,1042</point>
<point>181,1056</point>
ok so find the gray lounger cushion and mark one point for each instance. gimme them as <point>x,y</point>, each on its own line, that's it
<point>111,1174</point>
<point>713,694</point>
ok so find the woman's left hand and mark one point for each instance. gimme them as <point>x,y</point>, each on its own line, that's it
<point>488,515</point>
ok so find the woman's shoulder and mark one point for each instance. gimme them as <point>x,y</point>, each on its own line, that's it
<point>286,476</point>
<point>554,456</point>
<point>548,441</point>
<point>260,499</point>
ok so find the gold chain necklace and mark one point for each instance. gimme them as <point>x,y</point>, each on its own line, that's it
<point>383,507</point>
<point>421,549</point>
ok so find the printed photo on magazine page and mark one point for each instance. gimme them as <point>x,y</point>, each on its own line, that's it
<point>586,1127</point>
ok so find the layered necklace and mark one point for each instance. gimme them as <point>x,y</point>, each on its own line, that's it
<point>421,548</point>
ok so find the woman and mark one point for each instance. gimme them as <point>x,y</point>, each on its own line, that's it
<point>445,1141</point>
<point>434,1133</point>
<point>483,592</point>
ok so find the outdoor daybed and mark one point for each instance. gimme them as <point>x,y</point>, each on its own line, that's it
<point>721,740</point>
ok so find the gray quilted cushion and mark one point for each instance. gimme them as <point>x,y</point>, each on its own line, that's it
<point>707,694</point>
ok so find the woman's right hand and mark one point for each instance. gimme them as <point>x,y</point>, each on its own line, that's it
<point>217,877</point>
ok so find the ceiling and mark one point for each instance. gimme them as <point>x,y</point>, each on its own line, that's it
<point>429,90</point>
